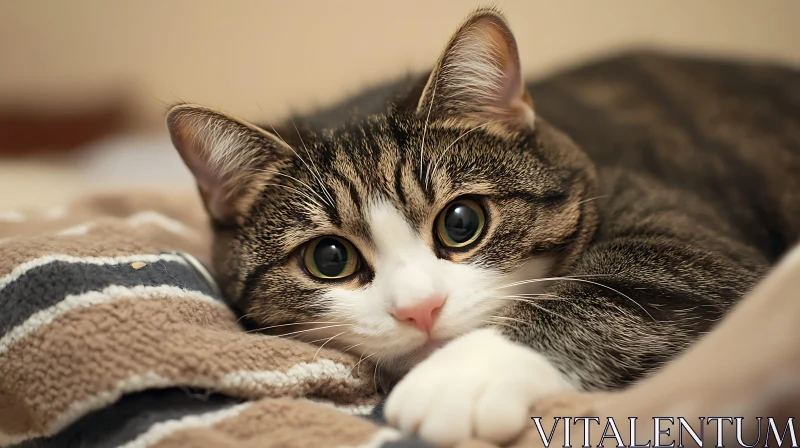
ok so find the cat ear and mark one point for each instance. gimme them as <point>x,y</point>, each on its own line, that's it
<point>478,77</point>
<point>223,152</point>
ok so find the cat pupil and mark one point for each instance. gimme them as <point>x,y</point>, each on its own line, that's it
<point>330,257</point>
<point>461,222</point>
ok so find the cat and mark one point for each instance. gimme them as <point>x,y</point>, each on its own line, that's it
<point>485,247</point>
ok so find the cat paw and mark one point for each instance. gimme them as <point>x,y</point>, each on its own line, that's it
<point>481,385</point>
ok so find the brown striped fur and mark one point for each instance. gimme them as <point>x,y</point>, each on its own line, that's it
<point>659,187</point>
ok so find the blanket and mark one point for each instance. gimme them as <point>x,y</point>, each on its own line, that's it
<point>113,334</point>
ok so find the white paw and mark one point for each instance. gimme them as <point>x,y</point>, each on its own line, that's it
<point>480,385</point>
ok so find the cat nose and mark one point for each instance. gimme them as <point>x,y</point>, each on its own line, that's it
<point>421,314</point>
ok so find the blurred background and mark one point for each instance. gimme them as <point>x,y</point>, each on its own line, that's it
<point>84,84</point>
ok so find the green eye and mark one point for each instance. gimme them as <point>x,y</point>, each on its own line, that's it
<point>330,257</point>
<point>460,223</point>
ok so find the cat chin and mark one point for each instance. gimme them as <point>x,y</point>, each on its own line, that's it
<point>396,365</point>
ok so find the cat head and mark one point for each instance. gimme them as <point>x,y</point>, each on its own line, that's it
<point>394,234</point>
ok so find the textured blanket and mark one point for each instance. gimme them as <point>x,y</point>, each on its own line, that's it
<point>112,334</point>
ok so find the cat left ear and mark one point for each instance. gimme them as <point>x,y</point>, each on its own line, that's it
<point>478,78</point>
<point>224,154</point>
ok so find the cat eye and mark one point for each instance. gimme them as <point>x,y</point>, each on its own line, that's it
<point>330,257</point>
<point>460,223</point>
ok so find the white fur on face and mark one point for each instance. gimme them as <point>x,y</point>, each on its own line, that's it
<point>408,271</point>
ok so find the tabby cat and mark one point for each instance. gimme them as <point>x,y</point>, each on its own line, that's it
<point>497,251</point>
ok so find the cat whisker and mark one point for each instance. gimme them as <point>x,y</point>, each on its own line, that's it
<point>362,358</point>
<point>545,296</point>
<point>543,279</point>
<point>323,345</point>
<point>347,349</point>
<point>311,190</point>
<point>552,312</point>
<point>294,323</point>
<point>314,329</point>
<point>532,294</point>
<point>309,329</point>
<point>582,280</point>
<point>317,340</point>
<point>538,307</point>
<point>301,160</point>
<point>375,374</point>
<point>323,339</point>
<point>500,323</point>
<point>315,171</point>
<point>520,321</point>
<point>274,130</point>
<point>533,280</point>
<point>244,316</point>
<point>593,199</point>
<point>519,298</point>
<point>300,192</point>
<point>303,193</point>
<point>438,159</point>
<point>425,130</point>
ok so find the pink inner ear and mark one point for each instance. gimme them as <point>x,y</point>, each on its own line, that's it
<point>186,130</point>
<point>515,95</point>
<point>196,156</point>
<point>221,151</point>
<point>497,44</point>
<point>479,77</point>
<point>511,99</point>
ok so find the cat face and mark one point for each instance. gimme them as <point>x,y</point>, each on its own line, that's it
<point>391,236</point>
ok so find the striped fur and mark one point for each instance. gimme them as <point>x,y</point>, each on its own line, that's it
<point>651,192</point>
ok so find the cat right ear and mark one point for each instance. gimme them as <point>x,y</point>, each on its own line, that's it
<point>478,79</point>
<point>224,153</point>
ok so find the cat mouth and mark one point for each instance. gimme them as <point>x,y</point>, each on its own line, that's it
<point>405,361</point>
<point>426,349</point>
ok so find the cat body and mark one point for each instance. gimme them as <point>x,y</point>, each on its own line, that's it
<point>503,241</point>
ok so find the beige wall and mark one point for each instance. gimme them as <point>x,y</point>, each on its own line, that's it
<point>249,56</point>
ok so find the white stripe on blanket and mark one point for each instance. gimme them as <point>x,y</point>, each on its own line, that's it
<point>262,380</point>
<point>136,220</point>
<point>163,429</point>
<point>378,439</point>
<point>77,410</point>
<point>302,372</point>
<point>22,268</point>
<point>114,292</point>
<point>362,409</point>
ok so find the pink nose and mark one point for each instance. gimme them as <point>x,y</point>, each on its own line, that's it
<point>422,314</point>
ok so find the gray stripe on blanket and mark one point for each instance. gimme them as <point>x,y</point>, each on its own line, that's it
<point>407,442</point>
<point>135,414</point>
<point>45,286</point>
<point>130,417</point>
